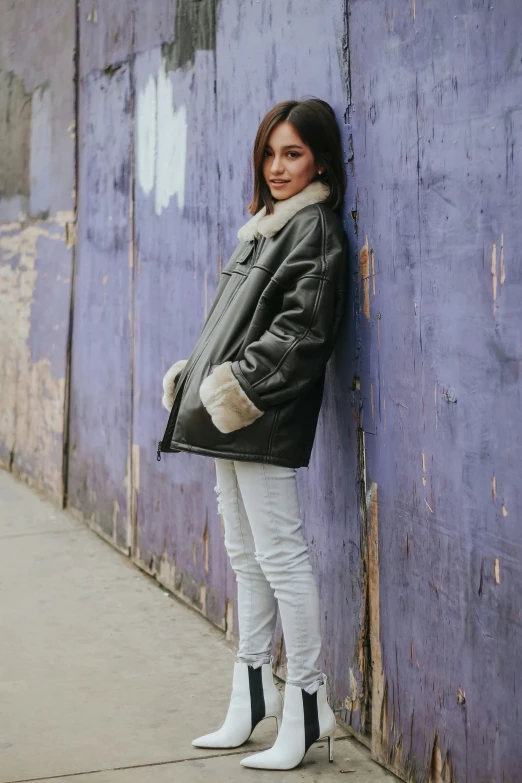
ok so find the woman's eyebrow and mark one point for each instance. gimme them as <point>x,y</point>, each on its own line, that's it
<point>287,147</point>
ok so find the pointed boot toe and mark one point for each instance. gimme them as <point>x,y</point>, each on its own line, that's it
<point>306,719</point>
<point>223,738</point>
<point>254,698</point>
<point>267,760</point>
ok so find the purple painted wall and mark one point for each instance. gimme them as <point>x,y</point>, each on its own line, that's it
<point>36,229</point>
<point>101,378</point>
<point>411,504</point>
<point>437,124</point>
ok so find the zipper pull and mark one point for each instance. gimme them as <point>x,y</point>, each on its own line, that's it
<point>158,455</point>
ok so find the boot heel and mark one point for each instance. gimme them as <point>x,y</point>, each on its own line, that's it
<point>331,747</point>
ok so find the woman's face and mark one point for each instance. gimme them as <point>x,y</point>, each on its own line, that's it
<point>289,164</point>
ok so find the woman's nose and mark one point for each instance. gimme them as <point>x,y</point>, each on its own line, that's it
<point>277,165</point>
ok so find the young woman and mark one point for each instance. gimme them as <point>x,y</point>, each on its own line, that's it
<point>249,396</point>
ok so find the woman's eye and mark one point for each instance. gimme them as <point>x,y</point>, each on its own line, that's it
<point>294,154</point>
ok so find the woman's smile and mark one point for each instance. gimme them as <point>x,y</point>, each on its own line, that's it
<point>279,183</point>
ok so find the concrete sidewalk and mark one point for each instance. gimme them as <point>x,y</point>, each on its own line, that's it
<point>105,676</point>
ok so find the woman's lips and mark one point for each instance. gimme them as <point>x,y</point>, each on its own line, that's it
<point>278,184</point>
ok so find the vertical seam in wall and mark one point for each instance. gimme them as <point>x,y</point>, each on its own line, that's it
<point>133,507</point>
<point>365,661</point>
<point>68,355</point>
<point>348,64</point>
<point>219,236</point>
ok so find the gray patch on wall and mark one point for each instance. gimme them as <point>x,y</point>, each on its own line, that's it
<point>194,28</point>
<point>15,136</point>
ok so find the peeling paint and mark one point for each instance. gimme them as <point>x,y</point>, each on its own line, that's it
<point>161,142</point>
<point>365,278</point>
<point>436,764</point>
<point>92,16</point>
<point>203,597</point>
<point>379,702</point>
<point>494,270</point>
<point>352,702</point>
<point>195,29</point>
<point>502,262</point>
<point>31,430</point>
<point>171,155</point>
<point>166,571</point>
<point>146,136</point>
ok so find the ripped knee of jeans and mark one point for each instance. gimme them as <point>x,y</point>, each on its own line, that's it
<point>220,508</point>
<point>260,557</point>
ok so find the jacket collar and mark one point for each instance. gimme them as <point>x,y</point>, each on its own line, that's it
<point>268,225</point>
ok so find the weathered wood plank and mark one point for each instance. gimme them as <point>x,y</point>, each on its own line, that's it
<point>437,116</point>
<point>101,379</point>
<point>178,529</point>
<point>36,215</point>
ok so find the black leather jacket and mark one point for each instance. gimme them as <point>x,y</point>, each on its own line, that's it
<point>253,385</point>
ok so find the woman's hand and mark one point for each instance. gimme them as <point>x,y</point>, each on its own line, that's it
<point>169,383</point>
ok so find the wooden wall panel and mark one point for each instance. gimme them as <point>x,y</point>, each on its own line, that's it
<point>36,225</point>
<point>179,535</point>
<point>101,386</point>
<point>437,123</point>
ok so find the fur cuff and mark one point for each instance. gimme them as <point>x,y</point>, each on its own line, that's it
<point>226,402</point>
<point>169,383</point>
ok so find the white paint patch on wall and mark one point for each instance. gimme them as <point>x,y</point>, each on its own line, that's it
<point>146,135</point>
<point>172,146</point>
<point>161,147</point>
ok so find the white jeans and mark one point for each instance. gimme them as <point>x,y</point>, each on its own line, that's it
<point>265,544</point>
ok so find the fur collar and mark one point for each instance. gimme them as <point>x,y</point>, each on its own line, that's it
<point>269,225</point>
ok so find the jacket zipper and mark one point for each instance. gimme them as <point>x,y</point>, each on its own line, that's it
<point>170,427</point>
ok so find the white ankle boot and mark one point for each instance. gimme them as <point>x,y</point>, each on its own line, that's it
<point>254,697</point>
<point>306,718</point>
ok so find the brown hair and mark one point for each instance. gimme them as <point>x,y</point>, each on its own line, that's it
<point>314,121</point>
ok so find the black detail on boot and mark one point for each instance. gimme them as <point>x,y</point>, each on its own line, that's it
<point>311,718</point>
<point>257,697</point>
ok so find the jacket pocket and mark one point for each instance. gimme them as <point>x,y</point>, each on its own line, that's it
<point>245,254</point>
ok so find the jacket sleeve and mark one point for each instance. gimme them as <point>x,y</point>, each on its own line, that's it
<point>293,352</point>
